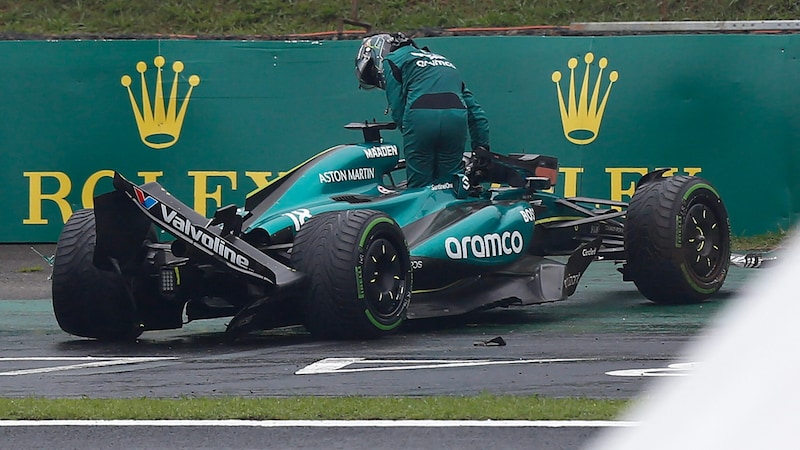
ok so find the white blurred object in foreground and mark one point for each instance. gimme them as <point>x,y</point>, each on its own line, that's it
<point>744,392</point>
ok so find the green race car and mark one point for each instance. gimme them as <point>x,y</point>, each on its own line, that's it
<point>342,247</point>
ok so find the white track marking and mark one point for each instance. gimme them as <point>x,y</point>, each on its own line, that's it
<point>88,363</point>
<point>325,423</point>
<point>339,365</point>
<point>672,370</point>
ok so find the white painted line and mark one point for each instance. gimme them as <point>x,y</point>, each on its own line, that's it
<point>672,370</point>
<point>91,362</point>
<point>325,423</point>
<point>338,365</point>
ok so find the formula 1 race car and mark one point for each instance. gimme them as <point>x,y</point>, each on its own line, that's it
<point>339,246</point>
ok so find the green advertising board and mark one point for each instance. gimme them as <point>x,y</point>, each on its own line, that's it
<point>213,121</point>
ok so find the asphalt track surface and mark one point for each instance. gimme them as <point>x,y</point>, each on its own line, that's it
<point>606,341</point>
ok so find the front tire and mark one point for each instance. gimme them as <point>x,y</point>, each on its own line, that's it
<point>358,271</point>
<point>677,240</point>
<point>87,301</point>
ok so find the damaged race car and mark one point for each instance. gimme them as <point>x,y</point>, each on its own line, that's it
<point>339,246</point>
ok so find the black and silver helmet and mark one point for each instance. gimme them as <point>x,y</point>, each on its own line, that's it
<point>369,61</point>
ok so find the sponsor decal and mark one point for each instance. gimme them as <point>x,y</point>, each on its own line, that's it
<point>416,264</point>
<point>431,59</point>
<point>182,226</point>
<point>159,118</point>
<point>442,186</point>
<point>528,215</point>
<point>572,280</point>
<point>589,251</point>
<point>55,203</point>
<point>299,217</point>
<point>465,182</point>
<point>343,175</point>
<point>381,151</point>
<point>144,199</point>
<point>486,246</point>
<point>581,115</point>
<point>360,281</point>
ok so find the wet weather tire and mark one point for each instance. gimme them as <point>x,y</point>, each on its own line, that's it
<point>87,301</point>
<point>677,239</point>
<point>358,271</point>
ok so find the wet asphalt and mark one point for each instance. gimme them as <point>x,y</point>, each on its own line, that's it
<point>606,341</point>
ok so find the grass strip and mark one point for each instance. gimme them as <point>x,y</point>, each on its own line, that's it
<point>762,242</point>
<point>479,407</point>
<point>277,17</point>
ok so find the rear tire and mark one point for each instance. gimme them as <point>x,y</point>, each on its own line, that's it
<point>677,240</point>
<point>358,271</point>
<point>87,301</point>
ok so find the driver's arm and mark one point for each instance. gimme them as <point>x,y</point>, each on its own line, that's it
<point>477,119</point>
<point>394,90</point>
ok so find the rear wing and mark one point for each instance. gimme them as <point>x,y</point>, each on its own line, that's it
<point>119,215</point>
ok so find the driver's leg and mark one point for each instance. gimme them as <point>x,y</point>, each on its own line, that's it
<point>420,135</point>
<point>451,144</point>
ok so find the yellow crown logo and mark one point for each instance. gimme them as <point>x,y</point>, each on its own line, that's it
<point>159,126</point>
<point>581,118</point>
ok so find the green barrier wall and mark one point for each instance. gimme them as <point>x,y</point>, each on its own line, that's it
<point>722,106</point>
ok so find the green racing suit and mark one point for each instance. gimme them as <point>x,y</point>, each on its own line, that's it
<point>435,112</point>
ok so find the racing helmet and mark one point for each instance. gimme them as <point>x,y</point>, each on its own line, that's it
<point>369,61</point>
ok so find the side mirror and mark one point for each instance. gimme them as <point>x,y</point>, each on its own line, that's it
<point>537,183</point>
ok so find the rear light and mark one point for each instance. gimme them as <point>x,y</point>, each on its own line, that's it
<point>169,279</point>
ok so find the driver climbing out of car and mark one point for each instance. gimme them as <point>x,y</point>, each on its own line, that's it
<point>428,101</point>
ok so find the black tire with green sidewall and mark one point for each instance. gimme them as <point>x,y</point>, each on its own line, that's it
<point>358,271</point>
<point>677,240</point>
<point>89,302</point>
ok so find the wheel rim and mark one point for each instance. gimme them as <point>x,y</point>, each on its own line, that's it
<point>384,279</point>
<point>704,240</point>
